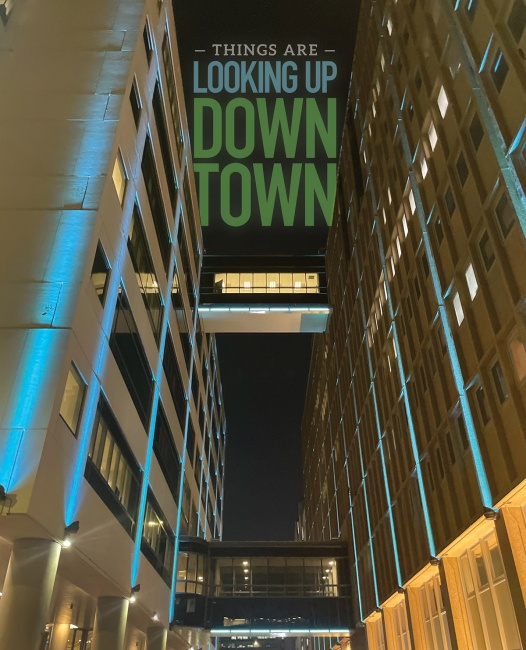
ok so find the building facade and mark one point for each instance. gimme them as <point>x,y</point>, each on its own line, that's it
<point>112,429</point>
<point>414,430</point>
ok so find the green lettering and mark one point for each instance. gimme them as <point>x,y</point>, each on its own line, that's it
<point>202,170</point>
<point>245,194</point>
<point>280,123</point>
<point>230,127</point>
<point>200,104</point>
<point>325,129</point>
<point>313,187</point>
<point>277,186</point>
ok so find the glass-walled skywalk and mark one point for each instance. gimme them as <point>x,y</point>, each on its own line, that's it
<point>280,293</point>
<point>259,588</point>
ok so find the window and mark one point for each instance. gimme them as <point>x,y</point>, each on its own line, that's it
<point>486,250</point>
<point>127,348</point>
<point>423,166</point>
<point>505,215</point>
<point>518,356</point>
<point>135,103</point>
<point>119,176</point>
<point>172,94</point>
<point>435,617</point>
<point>476,132</point>
<point>450,448</point>
<point>482,404</point>
<point>499,382</point>
<point>145,273</point>
<point>439,231</point>
<point>461,428</point>
<point>418,81</point>
<point>471,281</point>
<point>499,70</point>
<point>442,102</point>
<point>487,595</point>
<point>166,453</point>
<point>112,470</point>
<point>450,201</point>
<point>148,41</point>
<point>100,273</point>
<point>433,137</point>
<point>164,142</point>
<point>155,200</point>
<point>457,306</point>
<point>158,540</point>
<point>174,380</point>
<point>72,399</point>
<point>462,170</point>
<point>517,20</point>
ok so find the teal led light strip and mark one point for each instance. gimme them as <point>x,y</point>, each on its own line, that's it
<point>379,432</point>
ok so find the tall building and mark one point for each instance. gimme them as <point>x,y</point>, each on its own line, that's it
<point>414,431</point>
<point>112,430</point>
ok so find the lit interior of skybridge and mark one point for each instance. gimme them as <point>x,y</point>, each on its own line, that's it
<point>227,589</point>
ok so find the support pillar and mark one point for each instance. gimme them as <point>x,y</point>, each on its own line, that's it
<point>28,587</point>
<point>156,638</point>
<point>110,623</point>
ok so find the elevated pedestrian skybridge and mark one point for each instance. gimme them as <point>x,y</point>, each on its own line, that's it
<point>279,293</point>
<point>261,589</point>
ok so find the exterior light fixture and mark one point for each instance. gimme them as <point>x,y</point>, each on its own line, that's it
<point>134,590</point>
<point>72,626</point>
<point>155,617</point>
<point>245,563</point>
<point>70,530</point>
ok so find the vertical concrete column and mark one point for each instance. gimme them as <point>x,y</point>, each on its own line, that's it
<point>446,601</point>
<point>110,623</point>
<point>512,575</point>
<point>59,638</point>
<point>156,638</point>
<point>452,588</point>
<point>28,586</point>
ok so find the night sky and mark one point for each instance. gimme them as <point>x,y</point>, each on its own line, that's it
<point>264,376</point>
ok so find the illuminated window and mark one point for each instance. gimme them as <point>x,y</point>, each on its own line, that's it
<point>518,356</point>
<point>412,203</point>
<point>423,166</point>
<point>119,177</point>
<point>435,617</point>
<point>442,102</point>
<point>457,306</point>
<point>433,137</point>
<point>487,595</point>
<point>405,227</point>
<point>72,399</point>
<point>100,273</point>
<point>471,280</point>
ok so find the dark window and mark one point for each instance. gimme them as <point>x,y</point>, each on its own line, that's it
<point>155,199</point>
<point>451,448</point>
<point>111,468</point>
<point>486,250</point>
<point>476,132</point>
<point>450,201</point>
<point>430,476</point>
<point>439,462</point>
<point>462,169</point>
<point>145,273</point>
<point>184,334</point>
<point>148,41</point>
<point>100,273</point>
<point>418,81</point>
<point>135,102</point>
<point>126,345</point>
<point>158,541</point>
<point>425,265</point>
<point>166,453</point>
<point>195,386</point>
<point>202,415</point>
<point>517,19</point>
<point>499,70</point>
<point>166,151</point>
<point>175,382</point>
<point>172,94</point>
<point>190,440</point>
<point>439,231</point>
<point>482,404</point>
<point>186,265</point>
<point>191,216</point>
<point>505,215</point>
<point>499,382</point>
<point>471,8</point>
<point>461,426</point>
